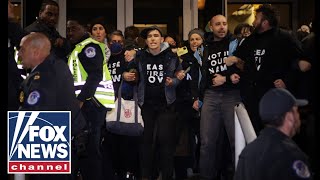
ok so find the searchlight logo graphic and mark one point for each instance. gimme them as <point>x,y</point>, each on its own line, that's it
<point>39,142</point>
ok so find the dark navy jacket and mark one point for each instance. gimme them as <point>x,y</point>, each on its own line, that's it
<point>273,155</point>
<point>49,87</point>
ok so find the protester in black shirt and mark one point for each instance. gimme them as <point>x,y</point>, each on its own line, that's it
<point>156,67</point>
<point>120,151</point>
<point>268,55</point>
<point>219,84</point>
<point>187,107</point>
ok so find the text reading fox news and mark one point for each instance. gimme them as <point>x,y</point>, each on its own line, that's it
<point>39,142</point>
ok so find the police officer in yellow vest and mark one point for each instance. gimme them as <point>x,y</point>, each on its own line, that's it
<point>94,90</point>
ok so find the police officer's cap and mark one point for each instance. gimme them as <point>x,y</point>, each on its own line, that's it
<point>276,102</point>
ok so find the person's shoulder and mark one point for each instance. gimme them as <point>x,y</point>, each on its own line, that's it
<point>281,31</point>
<point>284,34</point>
<point>141,53</point>
<point>295,161</point>
<point>291,149</point>
<point>309,38</point>
<point>91,50</point>
<point>34,27</point>
<point>248,40</point>
<point>92,43</point>
<point>251,148</point>
<point>169,54</point>
<point>51,66</point>
<point>42,78</point>
<point>59,64</point>
<point>188,56</point>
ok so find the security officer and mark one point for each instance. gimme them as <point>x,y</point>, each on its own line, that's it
<point>94,90</point>
<point>49,85</point>
<point>46,23</point>
<point>274,155</point>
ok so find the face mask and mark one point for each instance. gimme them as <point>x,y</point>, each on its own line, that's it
<point>116,48</point>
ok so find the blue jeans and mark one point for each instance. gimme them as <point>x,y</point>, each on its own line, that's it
<point>217,113</point>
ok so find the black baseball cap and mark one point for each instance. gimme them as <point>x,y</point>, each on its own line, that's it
<point>145,31</point>
<point>276,102</point>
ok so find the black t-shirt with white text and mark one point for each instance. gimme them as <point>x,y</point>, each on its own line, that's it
<point>269,56</point>
<point>155,80</point>
<point>214,64</point>
<point>116,66</point>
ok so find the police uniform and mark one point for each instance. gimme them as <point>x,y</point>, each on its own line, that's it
<point>273,155</point>
<point>50,87</point>
<point>93,86</point>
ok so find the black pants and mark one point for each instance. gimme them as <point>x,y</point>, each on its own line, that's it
<point>250,98</point>
<point>187,125</point>
<point>120,155</point>
<point>91,167</point>
<point>159,135</point>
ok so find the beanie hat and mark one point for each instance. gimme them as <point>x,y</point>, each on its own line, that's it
<point>196,31</point>
<point>97,21</point>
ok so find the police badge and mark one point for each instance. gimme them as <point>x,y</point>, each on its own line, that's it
<point>21,97</point>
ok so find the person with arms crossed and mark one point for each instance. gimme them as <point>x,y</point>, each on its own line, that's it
<point>156,66</point>
<point>219,91</point>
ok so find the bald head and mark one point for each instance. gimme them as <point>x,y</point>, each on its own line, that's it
<point>39,41</point>
<point>34,48</point>
<point>219,27</point>
<point>217,18</point>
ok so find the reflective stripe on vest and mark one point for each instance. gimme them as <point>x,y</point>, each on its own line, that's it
<point>104,92</point>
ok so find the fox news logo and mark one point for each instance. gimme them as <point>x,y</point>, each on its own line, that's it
<point>39,142</point>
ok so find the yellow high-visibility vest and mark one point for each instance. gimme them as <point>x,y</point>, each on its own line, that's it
<point>104,92</point>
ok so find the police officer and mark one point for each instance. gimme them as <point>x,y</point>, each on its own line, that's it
<point>274,155</point>
<point>49,85</point>
<point>94,91</point>
<point>46,23</point>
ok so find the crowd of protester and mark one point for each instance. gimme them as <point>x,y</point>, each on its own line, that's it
<point>187,92</point>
